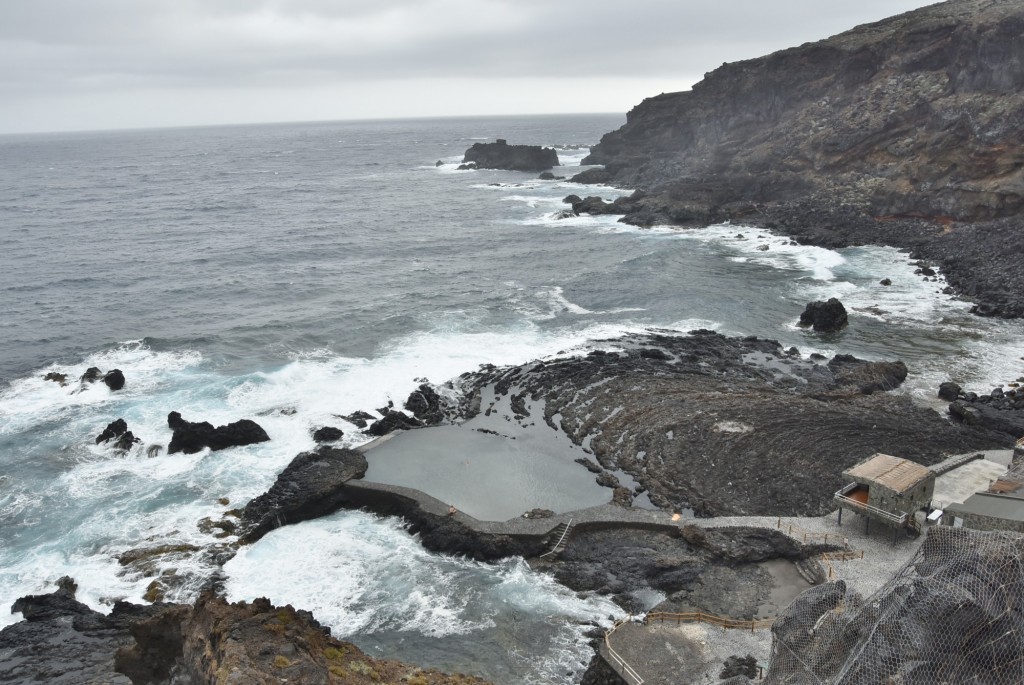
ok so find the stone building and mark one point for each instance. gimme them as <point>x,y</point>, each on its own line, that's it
<point>886,489</point>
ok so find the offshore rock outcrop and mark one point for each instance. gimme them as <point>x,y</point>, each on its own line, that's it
<point>729,426</point>
<point>501,155</point>
<point>191,437</point>
<point>904,132</point>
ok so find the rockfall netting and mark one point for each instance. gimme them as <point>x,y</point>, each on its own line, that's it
<point>954,615</point>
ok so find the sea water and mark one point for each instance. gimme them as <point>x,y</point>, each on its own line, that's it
<point>295,273</point>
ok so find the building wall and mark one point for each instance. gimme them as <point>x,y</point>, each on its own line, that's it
<point>981,522</point>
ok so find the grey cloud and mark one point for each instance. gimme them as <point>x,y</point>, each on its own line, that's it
<point>73,46</point>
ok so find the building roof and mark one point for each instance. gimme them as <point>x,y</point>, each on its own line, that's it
<point>989,504</point>
<point>899,475</point>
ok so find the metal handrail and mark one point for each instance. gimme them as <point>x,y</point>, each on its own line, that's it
<point>841,496</point>
<point>624,668</point>
<point>564,533</point>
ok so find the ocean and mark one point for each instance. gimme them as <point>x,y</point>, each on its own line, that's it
<point>293,273</point>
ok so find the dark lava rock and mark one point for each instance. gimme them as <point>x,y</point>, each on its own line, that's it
<point>114,429</point>
<point>192,437</point>
<point>61,378</point>
<point>327,434</point>
<point>739,665</point>
<point>438,163</point>
<point>114,379</point>
<point>885,281</point>
<point>359,419</point>
<point>868,377</point>
<point>572,199</point>
<point>254,643</point>
<point>538,513</point>
<point>501,155</point>
<point>699,431</point>
<point>949,391</point>
<point>426,405</point>
<point>64,642</point>
<point>825,317</point>
<point>126,441</point>
<point>309,487</point>
<point>823,167</point>
<point>547,176</point>
<point>466,167</point>
<point>91,375</point>
<point>392,421</point>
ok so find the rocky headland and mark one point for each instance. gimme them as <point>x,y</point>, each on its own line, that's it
<point>905,132</point>
<point>63,641</point>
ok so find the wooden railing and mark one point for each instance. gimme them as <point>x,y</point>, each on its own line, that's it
<point>805,535</point>
<point>711,619</point>
<point>617,662</point>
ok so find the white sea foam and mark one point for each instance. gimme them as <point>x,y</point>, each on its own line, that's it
<point>379,579</point>
<point>33,401</point>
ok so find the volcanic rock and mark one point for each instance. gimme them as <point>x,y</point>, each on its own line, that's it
<point>192,437</point>
<point>949,391</point>
<point>392,421</point>
<point>114,429</point>
<point>91,375</point>
<point>327,434</point>
<point>60,378</point>
<point>359,419</point>
<point>309,487</point>
<point>849,141</point>
<point>258,643</point>
<point>825,317</point>
<point>426,405</point>
<point>730,426</point>
<point>501,155</point>
<point>114,379</point>
<point>64,642</point>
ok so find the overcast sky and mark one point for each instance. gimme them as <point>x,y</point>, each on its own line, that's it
<point>98,64</point>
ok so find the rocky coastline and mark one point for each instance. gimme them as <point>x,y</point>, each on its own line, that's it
<point>903,133</point>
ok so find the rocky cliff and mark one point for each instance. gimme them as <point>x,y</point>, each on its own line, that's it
<point>904,132</point>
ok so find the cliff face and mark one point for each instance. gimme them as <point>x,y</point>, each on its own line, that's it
<point>918,115</point>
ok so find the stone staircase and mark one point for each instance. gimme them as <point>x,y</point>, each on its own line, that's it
<point>559,536</point>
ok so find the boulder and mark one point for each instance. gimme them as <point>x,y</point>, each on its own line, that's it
<point>824,317</point>
<point>114,379</point>
<point>392,421</point>
<point>61,378</point>
<point>547,176</point>
<point>309,487</point>
<point>885,281</point>
<point>426,405</point>
<point>359,419</point>
<point>192,437</point>
<point>91,375</point>
<point>114,429</point>
<point>501,155</point>
<point>949,391</point>
<point>327,434</point>
<point>868,377</point>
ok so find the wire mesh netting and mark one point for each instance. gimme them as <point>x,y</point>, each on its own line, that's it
<point>954,615</point>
